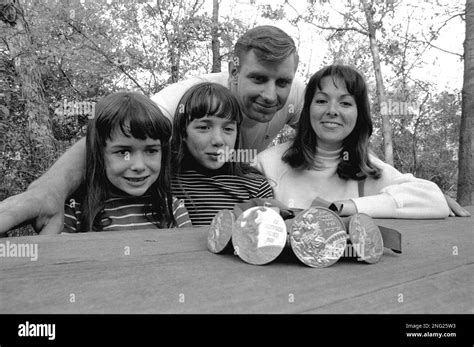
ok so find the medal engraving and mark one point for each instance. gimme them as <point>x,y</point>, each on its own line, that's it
<point>318,237</point>
<point>259,235</point>
<point>220,231</point>
<point>366,238</point>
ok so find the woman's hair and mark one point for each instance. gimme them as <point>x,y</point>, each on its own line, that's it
<point>205,99</point>
<point>135,115</point>
<point>355,164</point>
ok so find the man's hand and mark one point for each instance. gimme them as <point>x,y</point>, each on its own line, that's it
<point>456,209</point>
<point>44,208</point>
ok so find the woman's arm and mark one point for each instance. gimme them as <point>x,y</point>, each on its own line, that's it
<point>397,195</point>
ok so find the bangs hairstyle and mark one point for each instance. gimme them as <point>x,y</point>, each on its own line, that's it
<point>205,99</point>
<point>270,44</point>
<point>302,152</point>
<point>133,115</point>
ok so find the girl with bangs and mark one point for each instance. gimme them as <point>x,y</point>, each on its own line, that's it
<point>329,157</point>
<point>127,185</point>
<point>206,129</point>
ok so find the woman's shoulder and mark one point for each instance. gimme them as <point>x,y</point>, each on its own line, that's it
<point>274,153</point>
<point>379,163</point>
<point>387,171</point>
<point>269,162</point>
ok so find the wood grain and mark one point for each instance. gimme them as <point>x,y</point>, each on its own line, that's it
<point>171,271</point>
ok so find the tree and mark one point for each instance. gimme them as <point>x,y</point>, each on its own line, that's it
<point>466,134</point>
<point>19,42</point>
<point>382,98</point>
<point>181,25</point>
<point>216,58</point>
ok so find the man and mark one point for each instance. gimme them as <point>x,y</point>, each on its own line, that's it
<point>261,76</point>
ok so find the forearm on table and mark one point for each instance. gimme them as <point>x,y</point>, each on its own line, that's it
<point>66,174</point>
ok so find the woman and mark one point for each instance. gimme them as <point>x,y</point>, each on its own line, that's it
<point>329,157</point>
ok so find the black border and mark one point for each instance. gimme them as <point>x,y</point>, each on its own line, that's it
<point>145,330</point>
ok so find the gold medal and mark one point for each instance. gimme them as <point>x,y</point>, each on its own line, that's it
<point>318,237</point>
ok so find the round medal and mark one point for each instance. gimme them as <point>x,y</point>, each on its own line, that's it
<point>318,237</point>
<point>259,235</point>
<point>220,231</point>
<point>366,238</point>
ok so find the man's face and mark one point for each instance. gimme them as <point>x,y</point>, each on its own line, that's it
<point>262,87</point>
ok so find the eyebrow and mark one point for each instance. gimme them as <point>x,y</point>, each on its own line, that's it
<point>120,146</point>
<point>209,121</point>
<point>326,94</point>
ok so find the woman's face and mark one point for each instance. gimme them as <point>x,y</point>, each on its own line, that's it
<point>207,140</point>
<point>333,113</point>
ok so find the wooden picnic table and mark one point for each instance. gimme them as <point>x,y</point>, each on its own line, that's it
<point>171,271</point>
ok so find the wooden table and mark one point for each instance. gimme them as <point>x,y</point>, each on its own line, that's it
<point>171,271</point>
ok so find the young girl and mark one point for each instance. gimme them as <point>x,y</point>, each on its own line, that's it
<point>210,172</point>
<point>329,157</point>
<point>127,184</point>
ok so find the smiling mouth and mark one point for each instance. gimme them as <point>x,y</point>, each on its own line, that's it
<point>136,179</point>
<point>332,124</point>
<point>267,108</point>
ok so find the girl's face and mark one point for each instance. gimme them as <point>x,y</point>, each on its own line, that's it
<point>207,139</point>
<point>333,113</point>
<point>132,165</point>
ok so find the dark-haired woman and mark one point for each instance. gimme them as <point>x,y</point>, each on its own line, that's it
<point>329,157</point>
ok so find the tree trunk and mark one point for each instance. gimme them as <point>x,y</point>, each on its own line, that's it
<point>466,134</point>
<point>19,43</point>
<point>216,57</point>
<point>174,57</point>
<point>386,127</point>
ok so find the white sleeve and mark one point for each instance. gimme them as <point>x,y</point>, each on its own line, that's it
<point>168,98</point>
<point>397,195</point>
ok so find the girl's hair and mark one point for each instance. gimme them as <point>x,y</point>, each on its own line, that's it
<point>205,99</point>
<point>355,164</point>
<point>135,115</point>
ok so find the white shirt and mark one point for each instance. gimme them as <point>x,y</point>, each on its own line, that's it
<point>393,195</point>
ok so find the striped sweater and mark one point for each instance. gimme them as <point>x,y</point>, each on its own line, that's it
<point>124,213</point>
<point>205,194</point>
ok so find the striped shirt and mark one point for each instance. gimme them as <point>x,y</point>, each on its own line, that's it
<point>205,195</point>
<point>124,213</point>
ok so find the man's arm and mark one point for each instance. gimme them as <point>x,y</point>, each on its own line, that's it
<point>43,203</point>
